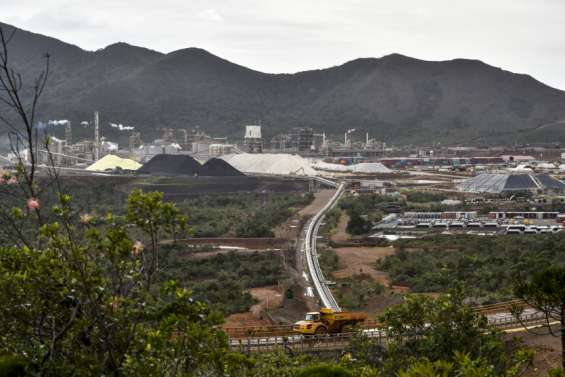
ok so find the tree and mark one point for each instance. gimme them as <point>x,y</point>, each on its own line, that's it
<point>84,295</point>
<point>155,218</point>
<point>84,303</point>
<point>23,102</point>
<point>18,109</point>
<point>357,224</point>
<point>545,292</point>
<point>440,329</point>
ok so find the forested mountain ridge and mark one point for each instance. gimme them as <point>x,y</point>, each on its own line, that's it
<point>396,98</point>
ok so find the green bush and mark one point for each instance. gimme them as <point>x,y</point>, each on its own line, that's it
<point>324,370</point>
<point>357,224</point>
<point>485,265</point>
<point>223,280</point>
<point>289,294</point>
<point>354,292</point>
<point>424,197</point>
<point>11,366</point>
<point>329,261</point>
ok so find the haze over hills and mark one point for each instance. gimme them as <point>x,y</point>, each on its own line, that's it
<point>395,98</point>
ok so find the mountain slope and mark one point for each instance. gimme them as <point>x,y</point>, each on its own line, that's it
<point>396,98</point>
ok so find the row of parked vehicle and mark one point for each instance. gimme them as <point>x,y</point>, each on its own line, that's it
<point>532,229</point>
<point>485,225</point>
<point>455,224</point>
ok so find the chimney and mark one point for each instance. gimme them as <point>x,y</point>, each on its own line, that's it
<point>96,136</point>
<point>68,133</point>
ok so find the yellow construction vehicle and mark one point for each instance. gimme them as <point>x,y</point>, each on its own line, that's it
<point>326,321</point>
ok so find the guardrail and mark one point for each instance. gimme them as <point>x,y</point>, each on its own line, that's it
<point>324,292</point>
<point>329,342</point>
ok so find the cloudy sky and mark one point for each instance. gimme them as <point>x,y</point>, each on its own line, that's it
<point>526,36</point>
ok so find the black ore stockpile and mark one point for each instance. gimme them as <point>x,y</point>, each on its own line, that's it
<point>216,167</point>
<point>170,164</point>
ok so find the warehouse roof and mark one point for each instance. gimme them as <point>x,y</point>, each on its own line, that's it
<point>550,182</point>
<point>498,183</point>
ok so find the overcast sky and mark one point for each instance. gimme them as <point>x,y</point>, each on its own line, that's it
<point>525,36</point>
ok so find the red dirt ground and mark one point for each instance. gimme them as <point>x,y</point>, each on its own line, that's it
<point>340,234</point>
<point>270,297</point>
<point>245,320</point>
<point>356,260</point>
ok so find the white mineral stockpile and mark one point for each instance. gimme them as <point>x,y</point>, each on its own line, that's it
<point>268,163</point>
<point>370,167</point>
<point>327,166</point>
<point>363,167</point>
<point>111,162</point>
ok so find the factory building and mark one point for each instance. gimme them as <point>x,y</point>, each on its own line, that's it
<point>302,139</point>
<point>448,215</point>
<point>528,215</point>
<point>216,150</point>
<point>252,139</point>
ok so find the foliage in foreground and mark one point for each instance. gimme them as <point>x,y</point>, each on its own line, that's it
<point>545,292</point>
<point>444,329</point>
<point>88,300</point>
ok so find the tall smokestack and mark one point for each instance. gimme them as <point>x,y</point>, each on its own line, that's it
<point>68,133</point>
<point>96,136</point>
